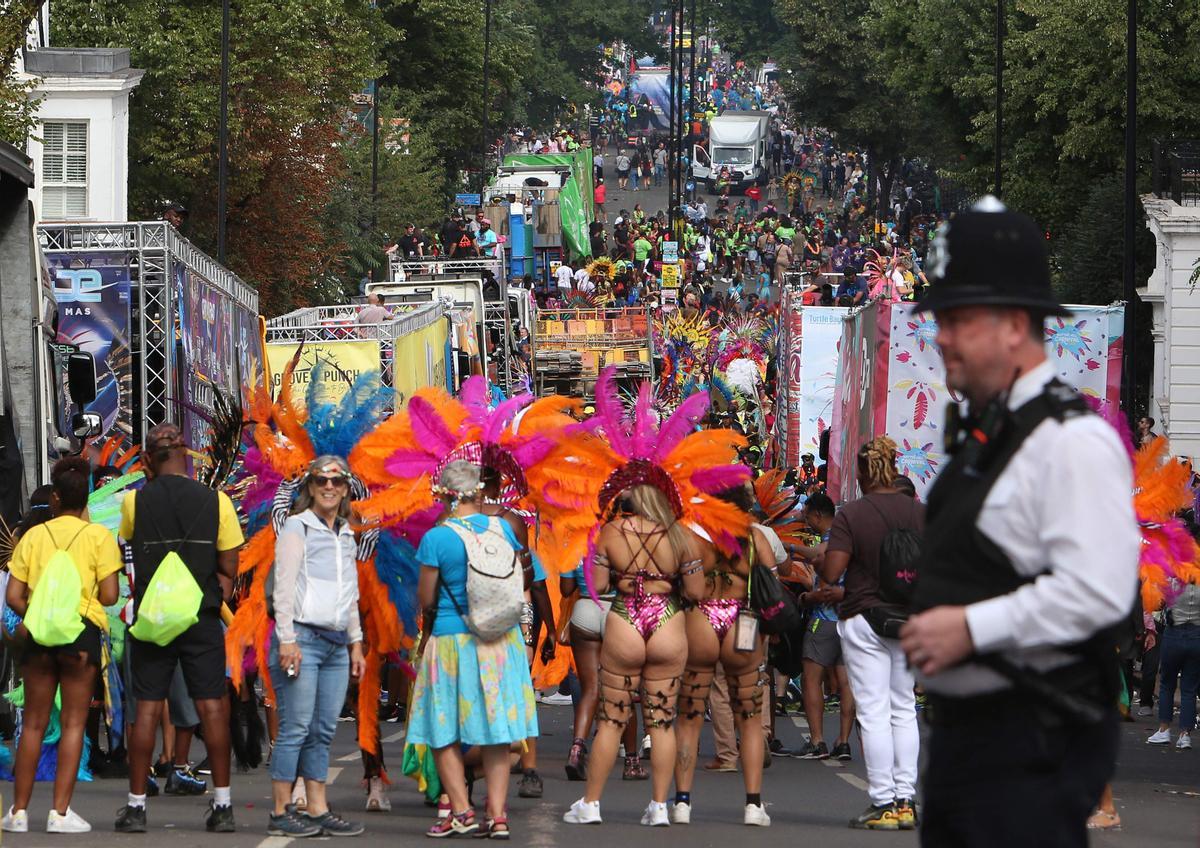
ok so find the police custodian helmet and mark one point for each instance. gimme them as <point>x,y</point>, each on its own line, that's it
<point>990,256</point>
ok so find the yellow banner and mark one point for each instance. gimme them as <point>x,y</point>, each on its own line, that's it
<point>350,359</point>
<point>419,360</point>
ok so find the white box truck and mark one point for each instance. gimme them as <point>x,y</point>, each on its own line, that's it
<point>737,141</point>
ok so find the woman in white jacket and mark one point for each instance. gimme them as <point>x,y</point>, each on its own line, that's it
<point>316,647</point>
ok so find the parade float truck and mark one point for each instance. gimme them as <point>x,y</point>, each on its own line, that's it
<point>484,312</point>
<point>572,345</point>
<point>411,349</point>
<point>108,330</point>
<point>737,142</point>
<point>146,329</point>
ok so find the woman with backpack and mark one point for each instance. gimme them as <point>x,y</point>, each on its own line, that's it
<point>861,541</point>
<point>62,575</point>
<point>316,648</point>
<point>472,685</point>
<point>721,628</point>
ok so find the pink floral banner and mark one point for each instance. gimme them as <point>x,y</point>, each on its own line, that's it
<point>1085,350</point>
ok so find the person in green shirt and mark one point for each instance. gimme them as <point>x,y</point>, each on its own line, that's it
<point>641,250</point>
<point>741,213</point>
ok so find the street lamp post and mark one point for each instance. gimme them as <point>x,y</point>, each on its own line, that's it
<point>1129,369</point>
<point>487,48</point>
<point>996,179</point>
<point>223,134</point>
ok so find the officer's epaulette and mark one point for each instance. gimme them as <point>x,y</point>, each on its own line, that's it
<point>1064,401</point>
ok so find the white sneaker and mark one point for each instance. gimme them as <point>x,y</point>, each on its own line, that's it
<point>656,815</point>
<point>1159,737</point>
<point>681,813</point>
<point>646,747</point>
<point>1145,711</point>
<point>68,822</point>
<point>557,700</point>
<point>377,799</point>
<point>1184,742</point>
<point>582,812</point>
<point>756,815</point>
<point>15,822</point>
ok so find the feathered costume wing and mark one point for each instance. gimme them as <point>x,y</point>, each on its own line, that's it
<point>613,451</point>
<point>1169,553</point>
<point>284,438</point>
<point>778,502</point>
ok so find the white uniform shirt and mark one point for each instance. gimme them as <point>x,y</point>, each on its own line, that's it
<point>563,276</point>
<point>1061,509</point>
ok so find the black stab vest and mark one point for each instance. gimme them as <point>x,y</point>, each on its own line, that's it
<point>960,565</point>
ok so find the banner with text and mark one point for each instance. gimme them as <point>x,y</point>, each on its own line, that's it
<point>348,361</point>
<point>92,292</point>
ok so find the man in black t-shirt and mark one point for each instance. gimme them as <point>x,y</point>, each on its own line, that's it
<point>410,243</point>
<point>462,245</point>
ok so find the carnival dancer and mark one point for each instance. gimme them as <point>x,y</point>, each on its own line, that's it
<point>468,691</point>
<point>584,635</point>
<point>722,628</point>
<point>284,437</point>
<point>405,456</point>
<point>316,647</point>
<point>1014,641</point>
<point>614,495</point>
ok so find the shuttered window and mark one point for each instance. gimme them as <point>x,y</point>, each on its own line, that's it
<point>64,170</point>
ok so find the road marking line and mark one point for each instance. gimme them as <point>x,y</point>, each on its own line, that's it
<point>800,722</point>
<point>854,780</point>
<point>275,842</point>
<point>832,763</point>
<point>334,771</point>
<point>395,737</point>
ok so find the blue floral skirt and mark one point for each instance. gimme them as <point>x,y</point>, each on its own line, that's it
<point>472,693</point>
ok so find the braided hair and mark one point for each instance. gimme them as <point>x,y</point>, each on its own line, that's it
<point>877,464</point>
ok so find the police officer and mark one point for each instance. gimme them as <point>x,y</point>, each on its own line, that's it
<point>1029,564</point>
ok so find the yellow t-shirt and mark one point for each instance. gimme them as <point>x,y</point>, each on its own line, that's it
<point>91,546</point>
<point>229,529</point>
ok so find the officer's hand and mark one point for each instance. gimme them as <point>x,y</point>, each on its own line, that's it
<point>937,639</point>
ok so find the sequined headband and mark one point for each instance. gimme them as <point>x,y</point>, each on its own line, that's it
<point>639,472</point>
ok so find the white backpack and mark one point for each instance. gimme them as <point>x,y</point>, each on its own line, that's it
<point>495,581</point>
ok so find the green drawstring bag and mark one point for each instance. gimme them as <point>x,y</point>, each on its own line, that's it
<point>170,605</point>
<point>52,617</point>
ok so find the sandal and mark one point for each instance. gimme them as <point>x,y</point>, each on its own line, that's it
<point>634,770</point>
<point>496,828</point>
<point>458,824</point>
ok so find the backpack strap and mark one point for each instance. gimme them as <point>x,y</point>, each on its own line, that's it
<point>179,543</point>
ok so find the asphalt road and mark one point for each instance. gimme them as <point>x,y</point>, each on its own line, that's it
<point>1158,795</point>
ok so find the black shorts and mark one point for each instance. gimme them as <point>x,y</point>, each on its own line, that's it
<point>199,651</point>
<point>88,642</point>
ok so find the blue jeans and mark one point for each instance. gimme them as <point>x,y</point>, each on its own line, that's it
<point>633,178</point>
<point>1180,658</point>
<point>660,172</point>
<point>308,706</point>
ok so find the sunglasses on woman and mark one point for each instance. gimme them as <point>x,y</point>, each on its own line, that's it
<point>324,482</point>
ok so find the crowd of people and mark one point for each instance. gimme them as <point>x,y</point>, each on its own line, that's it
<point>474,555</point>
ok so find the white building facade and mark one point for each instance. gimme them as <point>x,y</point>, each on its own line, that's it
<point>80,149</point>
<point>1173,294</point>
